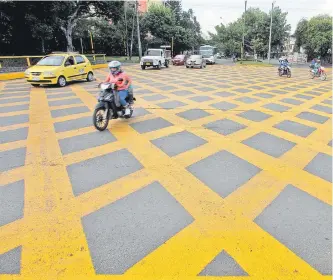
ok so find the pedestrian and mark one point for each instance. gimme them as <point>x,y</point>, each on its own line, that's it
<point>256,57</point>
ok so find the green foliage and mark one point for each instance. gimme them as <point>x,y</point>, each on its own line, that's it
<point>257,23</point>
<point>315,36</point>
<point>164,22</point>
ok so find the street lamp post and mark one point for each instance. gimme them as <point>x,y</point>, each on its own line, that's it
<point>138,29</point>
<point>270,34</point>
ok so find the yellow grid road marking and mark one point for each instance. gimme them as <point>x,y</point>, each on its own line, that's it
<point>54,244</point>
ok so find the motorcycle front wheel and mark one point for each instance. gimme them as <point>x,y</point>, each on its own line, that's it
<point>101,118</point>
<point>323,76</point>
<point>288,74</point>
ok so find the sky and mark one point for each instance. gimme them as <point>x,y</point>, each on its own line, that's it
<point>212,12</point>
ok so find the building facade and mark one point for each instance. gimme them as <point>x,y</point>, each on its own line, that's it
<point>144,4</point>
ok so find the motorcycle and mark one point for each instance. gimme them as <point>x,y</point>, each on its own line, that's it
<point>109,107</point>
<point>284,70</point>
<point>320,73</point>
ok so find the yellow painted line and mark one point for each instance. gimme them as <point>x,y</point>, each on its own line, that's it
<point>14,104</point>
<point>154,161</point>
<point>12,145</point>
<point>14,126</point>
<point>56,237</point>
<point>72,133</point>
<point>15,113</point>
<point>111,192</point>
<point>65,107</point>
<point>11,176</point>
<point>71,117</point>
<point>79,156</point>
<point>12,235</point>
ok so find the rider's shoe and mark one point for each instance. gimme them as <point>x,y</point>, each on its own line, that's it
<point>127,111</point>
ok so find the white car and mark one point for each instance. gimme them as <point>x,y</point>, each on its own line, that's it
<point>195,60</point>
<point>154,58</point>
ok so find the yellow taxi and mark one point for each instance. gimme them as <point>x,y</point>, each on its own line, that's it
<point>59,68</point>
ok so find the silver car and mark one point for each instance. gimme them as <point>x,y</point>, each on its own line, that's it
<point>195,60</point>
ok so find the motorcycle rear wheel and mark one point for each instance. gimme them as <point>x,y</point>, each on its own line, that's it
<point>99,121</point>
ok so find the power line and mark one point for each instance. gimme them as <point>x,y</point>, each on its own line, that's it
<point>255,6</point>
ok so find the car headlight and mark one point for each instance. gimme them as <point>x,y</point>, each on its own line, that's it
<point>27,72</point>
<point>48,74</point>
<point>155,61</point>
<point>212,57</point>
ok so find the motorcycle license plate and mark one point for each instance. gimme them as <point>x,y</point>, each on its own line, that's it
<point>35,78</point>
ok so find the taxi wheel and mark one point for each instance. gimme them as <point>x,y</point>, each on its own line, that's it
<point>62,81</point>
<point>35,85</point>
<point>90,77</point>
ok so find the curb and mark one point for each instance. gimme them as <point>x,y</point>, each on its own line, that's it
<point>20,75</point>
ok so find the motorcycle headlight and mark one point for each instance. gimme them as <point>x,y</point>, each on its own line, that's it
<point>48,74</point>
<point>104,86</point>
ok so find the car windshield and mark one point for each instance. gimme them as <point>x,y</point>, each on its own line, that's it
<point>51,61</point>
<point>153,53</point>
<point>195,57</point>
<point>206,53</point>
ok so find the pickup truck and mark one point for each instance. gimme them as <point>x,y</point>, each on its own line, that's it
<point>155,58</point>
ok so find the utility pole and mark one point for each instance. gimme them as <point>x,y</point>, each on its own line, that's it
<point>138,29</point>
<point>132,38</point>
<point>172,47</point>
<point>126,33</point>
<point>243,42</point>
<point>81,45</point>
<point>270,34</point>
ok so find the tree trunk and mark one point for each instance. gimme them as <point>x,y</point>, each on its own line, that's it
<point>68,30</point>
<point>43,46</point>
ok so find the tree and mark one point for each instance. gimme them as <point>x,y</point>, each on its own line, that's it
<point>41,31</point>
<point>166,22</point>
<point>67,13</point>
<point>229,38</point>
<point>301,33</point>
<point>315,36</point>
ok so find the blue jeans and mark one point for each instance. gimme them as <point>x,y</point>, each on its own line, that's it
<point>122,96</point>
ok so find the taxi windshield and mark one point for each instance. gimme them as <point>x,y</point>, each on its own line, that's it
<point>51,61</point>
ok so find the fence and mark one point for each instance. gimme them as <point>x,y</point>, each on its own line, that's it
<point>9,64</point>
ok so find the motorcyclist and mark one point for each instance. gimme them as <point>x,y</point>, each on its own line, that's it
<point>123,82</point>
<point>317,66</point>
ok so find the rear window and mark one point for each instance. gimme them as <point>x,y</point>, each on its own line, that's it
<point>180,56</point>
<point>195,56</point>
<point>79,59</point>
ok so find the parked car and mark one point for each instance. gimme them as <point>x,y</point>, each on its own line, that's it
<point>196,60</point>
<point>60,68</point>
<point>179,59</point>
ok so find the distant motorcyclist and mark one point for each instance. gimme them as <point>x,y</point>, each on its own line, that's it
<point>317,66</point>
<point>123,82</point>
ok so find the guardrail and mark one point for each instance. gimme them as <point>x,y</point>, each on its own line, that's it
<point>9,64</point>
